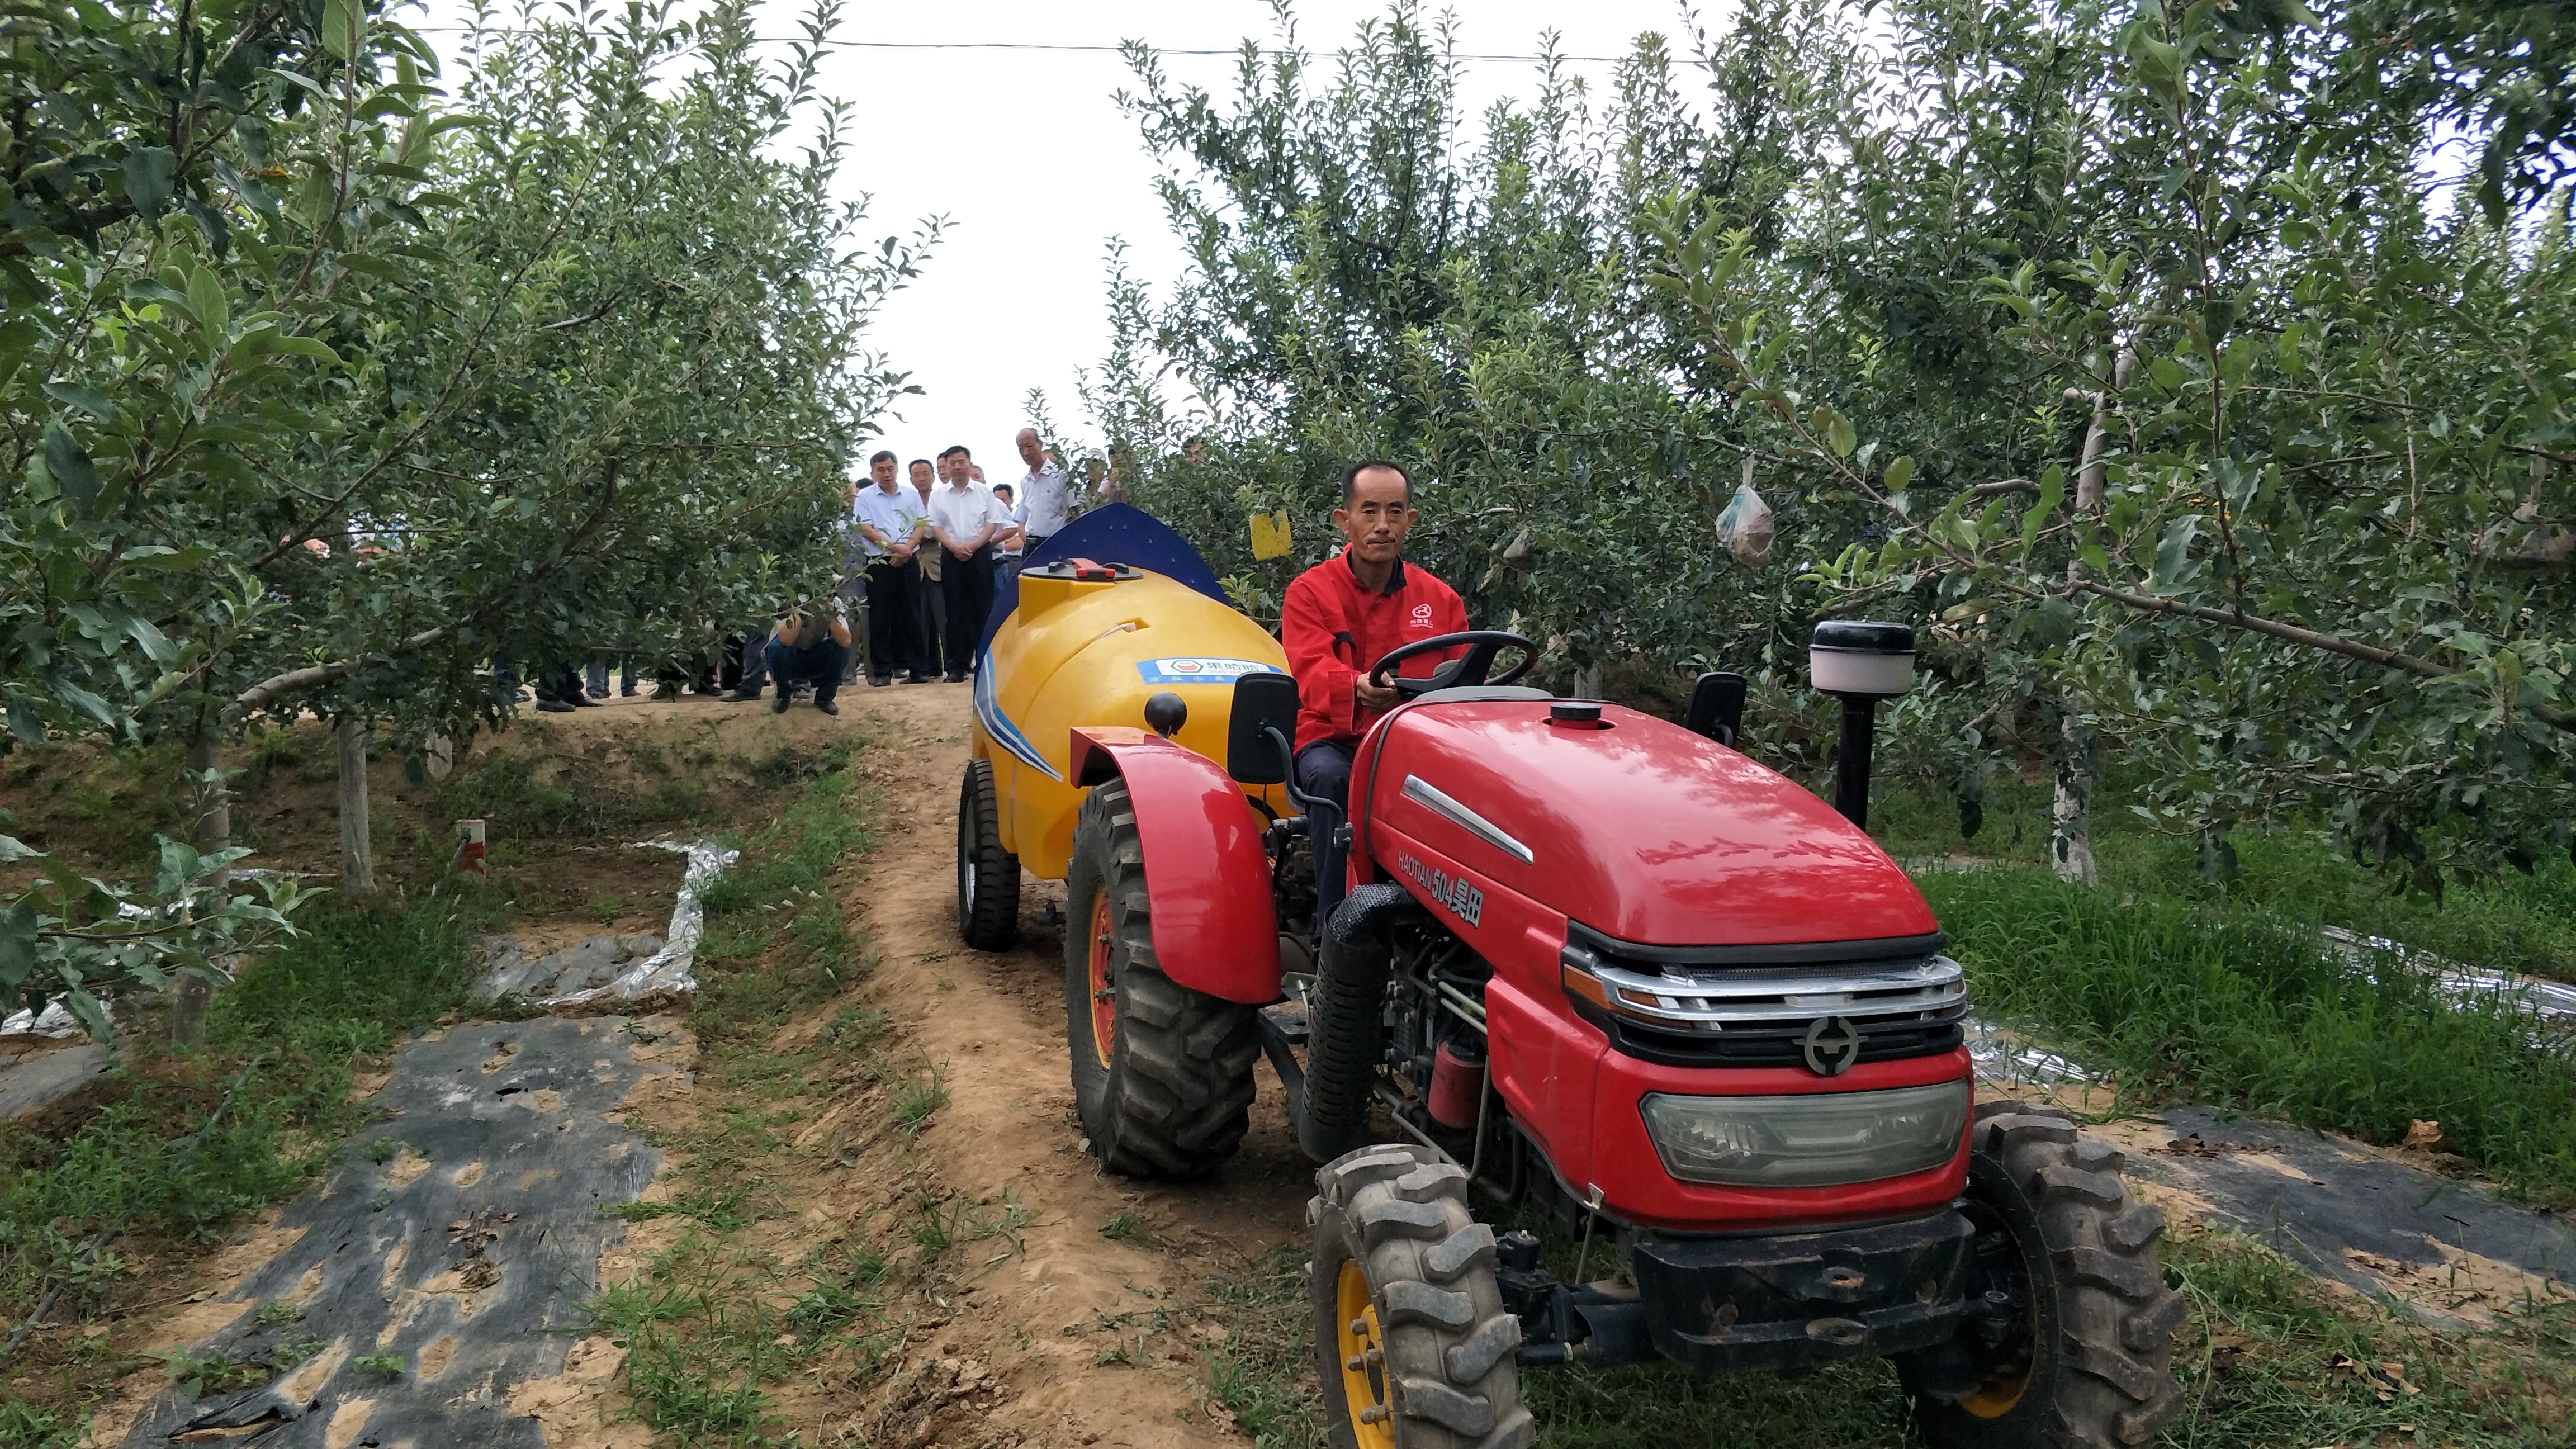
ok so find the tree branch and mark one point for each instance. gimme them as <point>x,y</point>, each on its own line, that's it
<point>2551,715</point>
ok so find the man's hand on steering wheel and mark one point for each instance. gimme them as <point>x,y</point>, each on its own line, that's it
<point>1466,671</point>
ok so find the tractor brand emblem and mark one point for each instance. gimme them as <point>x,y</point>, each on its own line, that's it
<point>1832,1046</point>
<point>1463,900</point>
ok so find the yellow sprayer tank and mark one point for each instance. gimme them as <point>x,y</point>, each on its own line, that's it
<point>1087,644</point>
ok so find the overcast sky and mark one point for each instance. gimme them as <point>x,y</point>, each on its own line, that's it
<point>1026,154</point>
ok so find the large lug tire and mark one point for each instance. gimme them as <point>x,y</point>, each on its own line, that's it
<point>1162,1074</point>
<point>1412,1345</point>
<point>2087,1362</point>
<point>988,877</point>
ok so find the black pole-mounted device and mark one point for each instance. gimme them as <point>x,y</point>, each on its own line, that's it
<point>1859,663</point>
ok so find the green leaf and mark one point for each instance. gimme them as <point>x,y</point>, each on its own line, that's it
<point>2052,491</point>
<point>88,399</point>
<point>206,298</point>
<point>155,644</point>
<point>311,347</point>
<point>91,1014</point>
<point>1899,474</point>
<point>2173,551</point>
<point>150,171</point>
<point>17,943</point>
<point>344,27</point>
<point>71,468</point>
<point>1836,430</point>
<point>178,868</point>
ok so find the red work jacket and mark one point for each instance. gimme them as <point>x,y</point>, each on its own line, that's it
<point>1334,630</point>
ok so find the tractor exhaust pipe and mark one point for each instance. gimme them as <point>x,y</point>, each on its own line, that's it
<point>1859,663</point>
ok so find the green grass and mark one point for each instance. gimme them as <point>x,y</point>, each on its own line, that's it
<point>2509,921</point>
<point>776,940</point>
<point>715,1321</point>
<point>281,1043</point>
<point>2238,1007</point>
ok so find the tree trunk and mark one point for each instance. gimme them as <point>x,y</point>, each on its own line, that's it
<point>2070,834</point>
<point>213,831</point>
<point>357,855</point>
<point>2097,436</point>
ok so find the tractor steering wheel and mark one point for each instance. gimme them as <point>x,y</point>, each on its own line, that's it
<point>1465,671</point>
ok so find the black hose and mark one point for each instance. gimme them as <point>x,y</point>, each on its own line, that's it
<point>1346,1028</point>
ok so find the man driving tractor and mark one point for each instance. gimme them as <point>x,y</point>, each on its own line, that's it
<point>1340,618</point>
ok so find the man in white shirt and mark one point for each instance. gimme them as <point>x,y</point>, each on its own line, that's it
<point>889,524</point>
<point>965,520</point>
<point>1047,497</point>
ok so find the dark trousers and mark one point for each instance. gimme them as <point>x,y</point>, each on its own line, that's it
<point>1324,772</point>
<point>894,618</point>
<point>820,663</point>
<point>930,615</point>
<point>968,585</point>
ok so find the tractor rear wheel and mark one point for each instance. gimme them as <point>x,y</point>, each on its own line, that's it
<point>988,877</point>
<point>1162,1074</point>
<point>1412,1345</point>
<point>2076,1350</point>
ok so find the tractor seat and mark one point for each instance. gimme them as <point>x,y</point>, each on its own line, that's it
<point>1481,693</point>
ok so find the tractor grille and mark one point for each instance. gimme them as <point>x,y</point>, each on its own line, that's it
<point>1753,1006</point>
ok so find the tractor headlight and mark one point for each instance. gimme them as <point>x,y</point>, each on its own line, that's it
<point>1823,1139</point>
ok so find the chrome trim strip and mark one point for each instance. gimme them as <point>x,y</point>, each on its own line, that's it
<point>1932,990</point>
<point>1429,797</point>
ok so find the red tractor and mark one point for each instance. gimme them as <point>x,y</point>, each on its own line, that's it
<point>1605,969</point>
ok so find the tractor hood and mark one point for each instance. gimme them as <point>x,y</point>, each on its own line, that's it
<point>1641,830</point>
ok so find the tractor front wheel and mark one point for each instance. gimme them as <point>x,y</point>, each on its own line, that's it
<point>1162,1074</point>
<point>1412,1345</point>
<point>2071,1337</point>
<point>988,877</point>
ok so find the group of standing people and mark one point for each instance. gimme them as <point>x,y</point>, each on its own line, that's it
<point>936,546</point>
<point>926,545</point>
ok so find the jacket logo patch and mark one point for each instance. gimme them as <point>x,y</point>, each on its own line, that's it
<point>1464,901</point>
<point>1422,616</point>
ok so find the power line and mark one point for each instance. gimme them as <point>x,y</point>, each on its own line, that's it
<point>1032,45</point>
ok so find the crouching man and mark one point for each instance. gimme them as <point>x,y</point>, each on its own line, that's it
<point>1340,618</point>
<point>810,645</point>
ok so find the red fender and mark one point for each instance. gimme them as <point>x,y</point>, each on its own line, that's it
<point>1207,879</point>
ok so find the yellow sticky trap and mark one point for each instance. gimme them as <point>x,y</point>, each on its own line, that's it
<point>1270,535</point>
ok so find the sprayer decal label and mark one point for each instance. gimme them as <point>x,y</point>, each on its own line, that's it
<point>1201,669</point>
<point>1463,900</point>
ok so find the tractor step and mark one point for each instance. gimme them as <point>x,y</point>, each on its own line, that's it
<point>1289,1018</point>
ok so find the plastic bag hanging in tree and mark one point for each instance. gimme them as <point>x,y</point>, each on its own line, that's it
<point>1744,526</point>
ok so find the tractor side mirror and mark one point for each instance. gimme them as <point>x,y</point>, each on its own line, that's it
<point>1262,703</point>
<point>1716,707</point>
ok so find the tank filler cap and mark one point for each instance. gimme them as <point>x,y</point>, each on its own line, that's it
<point>1575,713</point>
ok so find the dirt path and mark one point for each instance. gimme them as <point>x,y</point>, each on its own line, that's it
<point>1080,1329</point>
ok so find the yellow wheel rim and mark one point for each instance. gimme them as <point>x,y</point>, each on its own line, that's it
<point>1363,1360</point>
<point>1997,1399</point>
<point>1104,999</point>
